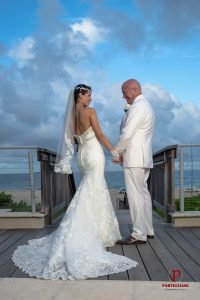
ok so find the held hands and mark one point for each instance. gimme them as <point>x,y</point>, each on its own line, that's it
<point>115,155</point>
<point>117,158</point>
<point>120,161</point>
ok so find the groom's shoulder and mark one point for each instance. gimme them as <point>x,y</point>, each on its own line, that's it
<point>143,101</point>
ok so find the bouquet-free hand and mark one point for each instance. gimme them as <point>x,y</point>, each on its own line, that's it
<point>120,161</point>
<point>115,156</point>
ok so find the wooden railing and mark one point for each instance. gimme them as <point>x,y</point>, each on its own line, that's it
<point>57,189</point>
<point>162,180</point>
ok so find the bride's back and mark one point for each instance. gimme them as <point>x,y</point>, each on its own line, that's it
<point>82,120</point>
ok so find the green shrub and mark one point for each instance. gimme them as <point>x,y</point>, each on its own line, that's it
<point>21,206</point>
<point>59,213</point>
<point>190,203</point>
<point>6,201</point>
<point>160,212</point>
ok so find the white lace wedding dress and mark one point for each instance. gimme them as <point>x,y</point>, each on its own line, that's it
<point>76,249</point>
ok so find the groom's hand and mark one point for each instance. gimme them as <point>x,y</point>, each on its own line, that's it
<point>115,155</point>
<point>119,161</point>
<point>116,161</point>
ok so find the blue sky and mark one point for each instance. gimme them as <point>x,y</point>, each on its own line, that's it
<point>172,64</point>
<point>48,46</point>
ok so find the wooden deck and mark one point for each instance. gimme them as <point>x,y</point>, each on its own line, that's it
<point>172,248</point>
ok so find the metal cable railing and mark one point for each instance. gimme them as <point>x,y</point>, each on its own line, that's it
<point>175,179</point>
<point>19,170</point>
<point>188,173</point>
<point>30,171</point>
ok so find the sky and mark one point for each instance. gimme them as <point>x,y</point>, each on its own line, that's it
<point>49,46</point>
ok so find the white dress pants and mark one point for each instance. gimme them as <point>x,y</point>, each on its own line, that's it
<point>139,200</point>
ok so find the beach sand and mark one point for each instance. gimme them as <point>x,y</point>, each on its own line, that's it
<point>25,195</point>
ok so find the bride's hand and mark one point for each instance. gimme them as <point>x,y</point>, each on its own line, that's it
<point>115,155</point>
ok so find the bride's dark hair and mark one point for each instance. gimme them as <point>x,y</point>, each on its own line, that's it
<point>81,88</point>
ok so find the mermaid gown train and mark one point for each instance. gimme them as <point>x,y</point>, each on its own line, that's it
<point>76,249</point>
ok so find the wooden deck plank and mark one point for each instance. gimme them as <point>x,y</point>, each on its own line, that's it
<point>167,258</point>
<point>139,272</point>
<point>124,229</point>
<point>189,249</point>
<point>184,260</point>
<point>4,258</point>
<point>152,263</point>
<point>117,249</point>
<point>37,234</point>
<point>28,234</point>
<point>6,235</point>
<point>123,216</point>
<point>7,269</point>
<point>171,248</point>
<point>11,240</point>
<point>6,264</point>
<point>190,236</point>
<point>19,274</point>
<point>105,277</point>
<point>155,269</point>
<point>2,232</point>
<point>196,231</point>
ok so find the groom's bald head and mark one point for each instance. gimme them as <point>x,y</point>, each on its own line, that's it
<point>132,83</point>
<point>131,89</point>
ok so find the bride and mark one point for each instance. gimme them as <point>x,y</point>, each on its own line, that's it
<point>76,249</point>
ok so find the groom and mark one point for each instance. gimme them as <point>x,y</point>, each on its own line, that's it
<point>135,148</point>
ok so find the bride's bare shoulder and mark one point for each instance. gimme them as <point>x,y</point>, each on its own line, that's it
<point>87,110</point>
<point>91,110</point>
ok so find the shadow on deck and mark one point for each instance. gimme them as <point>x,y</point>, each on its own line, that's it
<point>172,248</point>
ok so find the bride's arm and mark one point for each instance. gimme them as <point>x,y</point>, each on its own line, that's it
<point>99,134</point>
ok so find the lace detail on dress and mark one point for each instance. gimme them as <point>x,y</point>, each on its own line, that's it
<point>64,165</point>
<point>76,249</point>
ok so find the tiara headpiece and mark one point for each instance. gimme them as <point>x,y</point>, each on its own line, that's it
<point>80,88</point>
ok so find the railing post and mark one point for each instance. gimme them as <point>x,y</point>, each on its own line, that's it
<point>181,168</point>
<point>165,187</point>
<point>43,158</point>
<point>32,185</point>
<point>172,180</point>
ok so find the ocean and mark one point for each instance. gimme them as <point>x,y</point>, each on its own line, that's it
<point>22,181</point>
<point>113,179</point>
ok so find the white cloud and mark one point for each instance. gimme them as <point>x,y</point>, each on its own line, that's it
<point>33,97</point>
<point>88,32</point>
<point>35,85</point>
<point>23,51</point>
<point>176,123</point>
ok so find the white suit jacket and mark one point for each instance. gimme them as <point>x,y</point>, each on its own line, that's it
<point>123,121</point>
<point>136,136</point>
